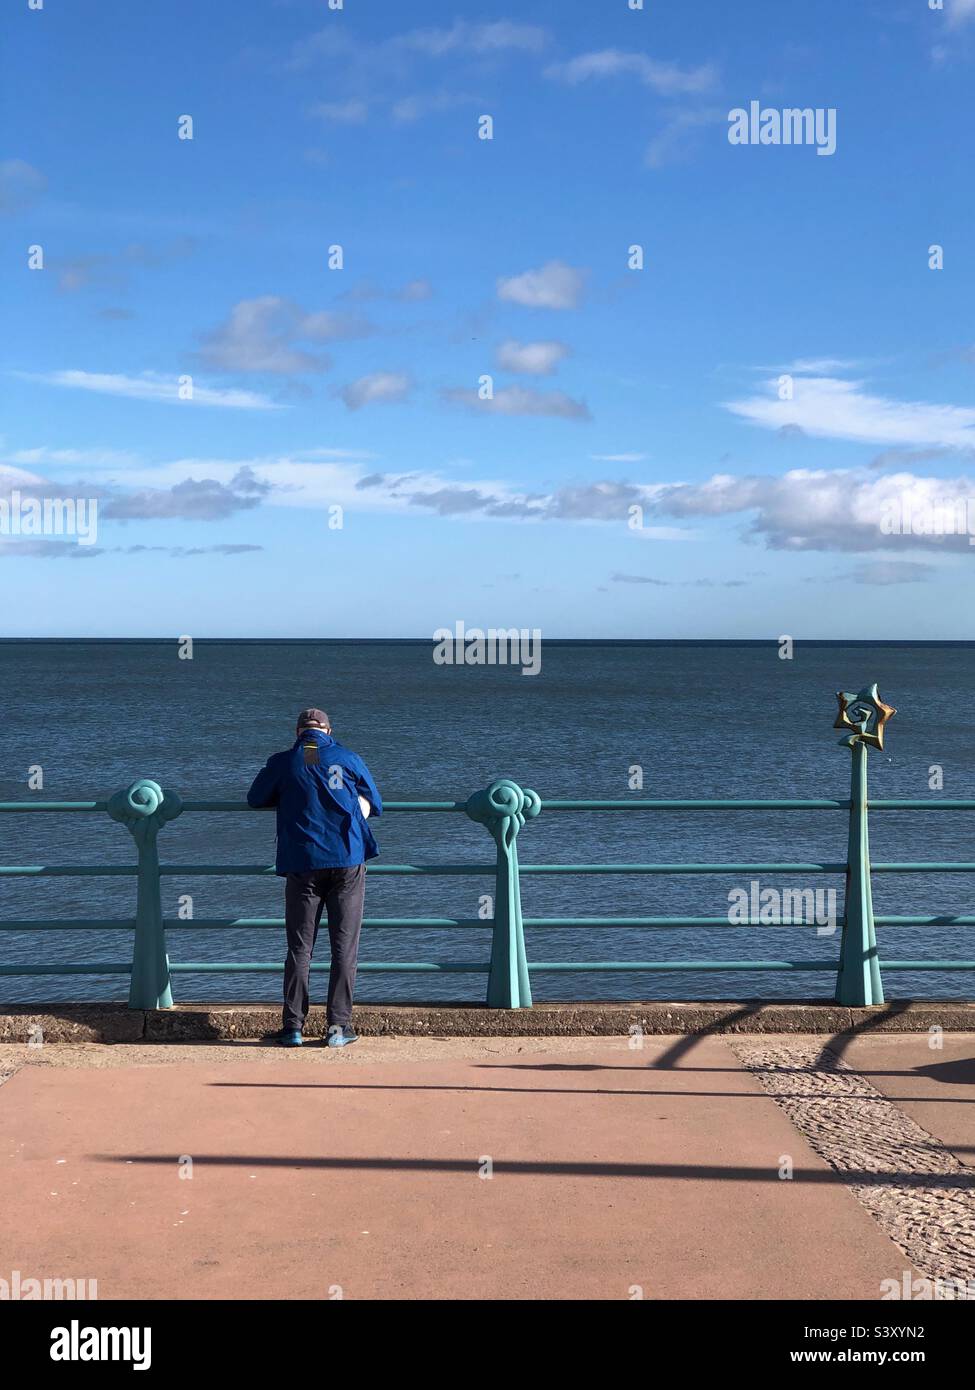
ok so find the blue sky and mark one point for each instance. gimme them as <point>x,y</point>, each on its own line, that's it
<point>613,388</point>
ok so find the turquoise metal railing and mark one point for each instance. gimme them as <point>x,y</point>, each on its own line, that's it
<point>503,807</point>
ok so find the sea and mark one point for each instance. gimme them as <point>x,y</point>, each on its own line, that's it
<point>690,720</point>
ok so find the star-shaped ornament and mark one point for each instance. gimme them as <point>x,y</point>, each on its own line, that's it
<point>866,714</point>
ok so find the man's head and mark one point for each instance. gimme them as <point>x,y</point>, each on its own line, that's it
<point>314,719</point>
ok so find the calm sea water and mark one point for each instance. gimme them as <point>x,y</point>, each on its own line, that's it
<point>702,721</point>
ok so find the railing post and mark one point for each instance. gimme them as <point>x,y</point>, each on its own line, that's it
<point>858,980</point>
<point>143,809</point>
<point>504,807</point>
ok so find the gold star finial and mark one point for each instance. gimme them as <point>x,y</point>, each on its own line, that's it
<point>864,713</point>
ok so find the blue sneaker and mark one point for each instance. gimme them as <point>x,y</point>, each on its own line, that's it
<point>288,1037</point>
<point>340,1037</point>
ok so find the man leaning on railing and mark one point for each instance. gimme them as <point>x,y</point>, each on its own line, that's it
<point>324,794</point>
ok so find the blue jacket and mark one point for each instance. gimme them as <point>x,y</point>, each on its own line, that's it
<point>316,786</point>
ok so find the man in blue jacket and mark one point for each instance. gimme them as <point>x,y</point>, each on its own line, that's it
<point>324,794</point>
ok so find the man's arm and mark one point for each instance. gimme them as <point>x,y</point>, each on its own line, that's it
<point>366,788</point>
<point>264,789</point>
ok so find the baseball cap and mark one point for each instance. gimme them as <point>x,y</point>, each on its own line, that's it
<point>313,719</point>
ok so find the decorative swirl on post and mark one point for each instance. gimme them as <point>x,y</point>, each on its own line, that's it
<point>866,713</point>
<point>503,807</point>
<point>142,804</point>
<point>144,808</point>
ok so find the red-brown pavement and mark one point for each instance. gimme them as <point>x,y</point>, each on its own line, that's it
<point>931,1077</point>
<point>613,1170</point>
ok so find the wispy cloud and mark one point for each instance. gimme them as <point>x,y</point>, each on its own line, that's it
<point>703,583</point>
<point>666,78</point>
<point>42,548</point>
<point>412,292</point>
<point>831,408</point>
<point>352,112</point>
<point>889,572</point>
<point>151,386</point>
<point>20,186</point>
<point>960,12</point>
<point>113,268</point>
<point>680,135</point>
<point>518,400</point>
<point>463,36</point>
<point>395,57</point>
<point>412,108</point>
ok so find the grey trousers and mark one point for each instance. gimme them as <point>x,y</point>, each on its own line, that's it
<point>341,892</point>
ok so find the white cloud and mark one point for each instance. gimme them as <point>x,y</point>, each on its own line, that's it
<point>554,286</point>
<point>261,335</point>
<point>676,139</point>
<point>537,359</point>
<point>960,12</point>
<point>829,408</point>
<point>841,510</point>
<point>821,366</point>
<point>465,37</point>
<point>377,388</point>
<point>411,108</point>
<point>151,386</point>
<point>343,112</point>
<point>618,458</point>
<point>669,79</point>
<point>519,400</point>
<point>890,572</point>
<point>311,479</point>
<point>20,185</point>
<point>373,65</point>
<point>18,478</point>
<point>103,457</point>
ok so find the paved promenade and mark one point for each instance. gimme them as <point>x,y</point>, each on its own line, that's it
<point>566,1168</point>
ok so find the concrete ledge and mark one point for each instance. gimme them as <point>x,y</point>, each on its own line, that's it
<point>115,1023</point>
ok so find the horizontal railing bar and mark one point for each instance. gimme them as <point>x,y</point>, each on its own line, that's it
<point>923,804</point>
<point>92,969</point>
<point>230,870</point>
<point>923,868</point>
<point>263,923</point>
<point>946,919</point>
<point>743,965</point>
<point>81,924</point>
<point>654,965</point>
<point>267,967</point>
<point>775,804</point>
<point>70,870</point>
<point>387,806</point>
<point>433,870</point>
<point>15,806</point>
<point>927,965</point>
<point>277,923</point>
<point>671,804</point>
<point>658,922</point>
<point>772,868</point>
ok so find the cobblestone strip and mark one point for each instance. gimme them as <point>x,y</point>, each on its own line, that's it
<point>917,1191</point>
